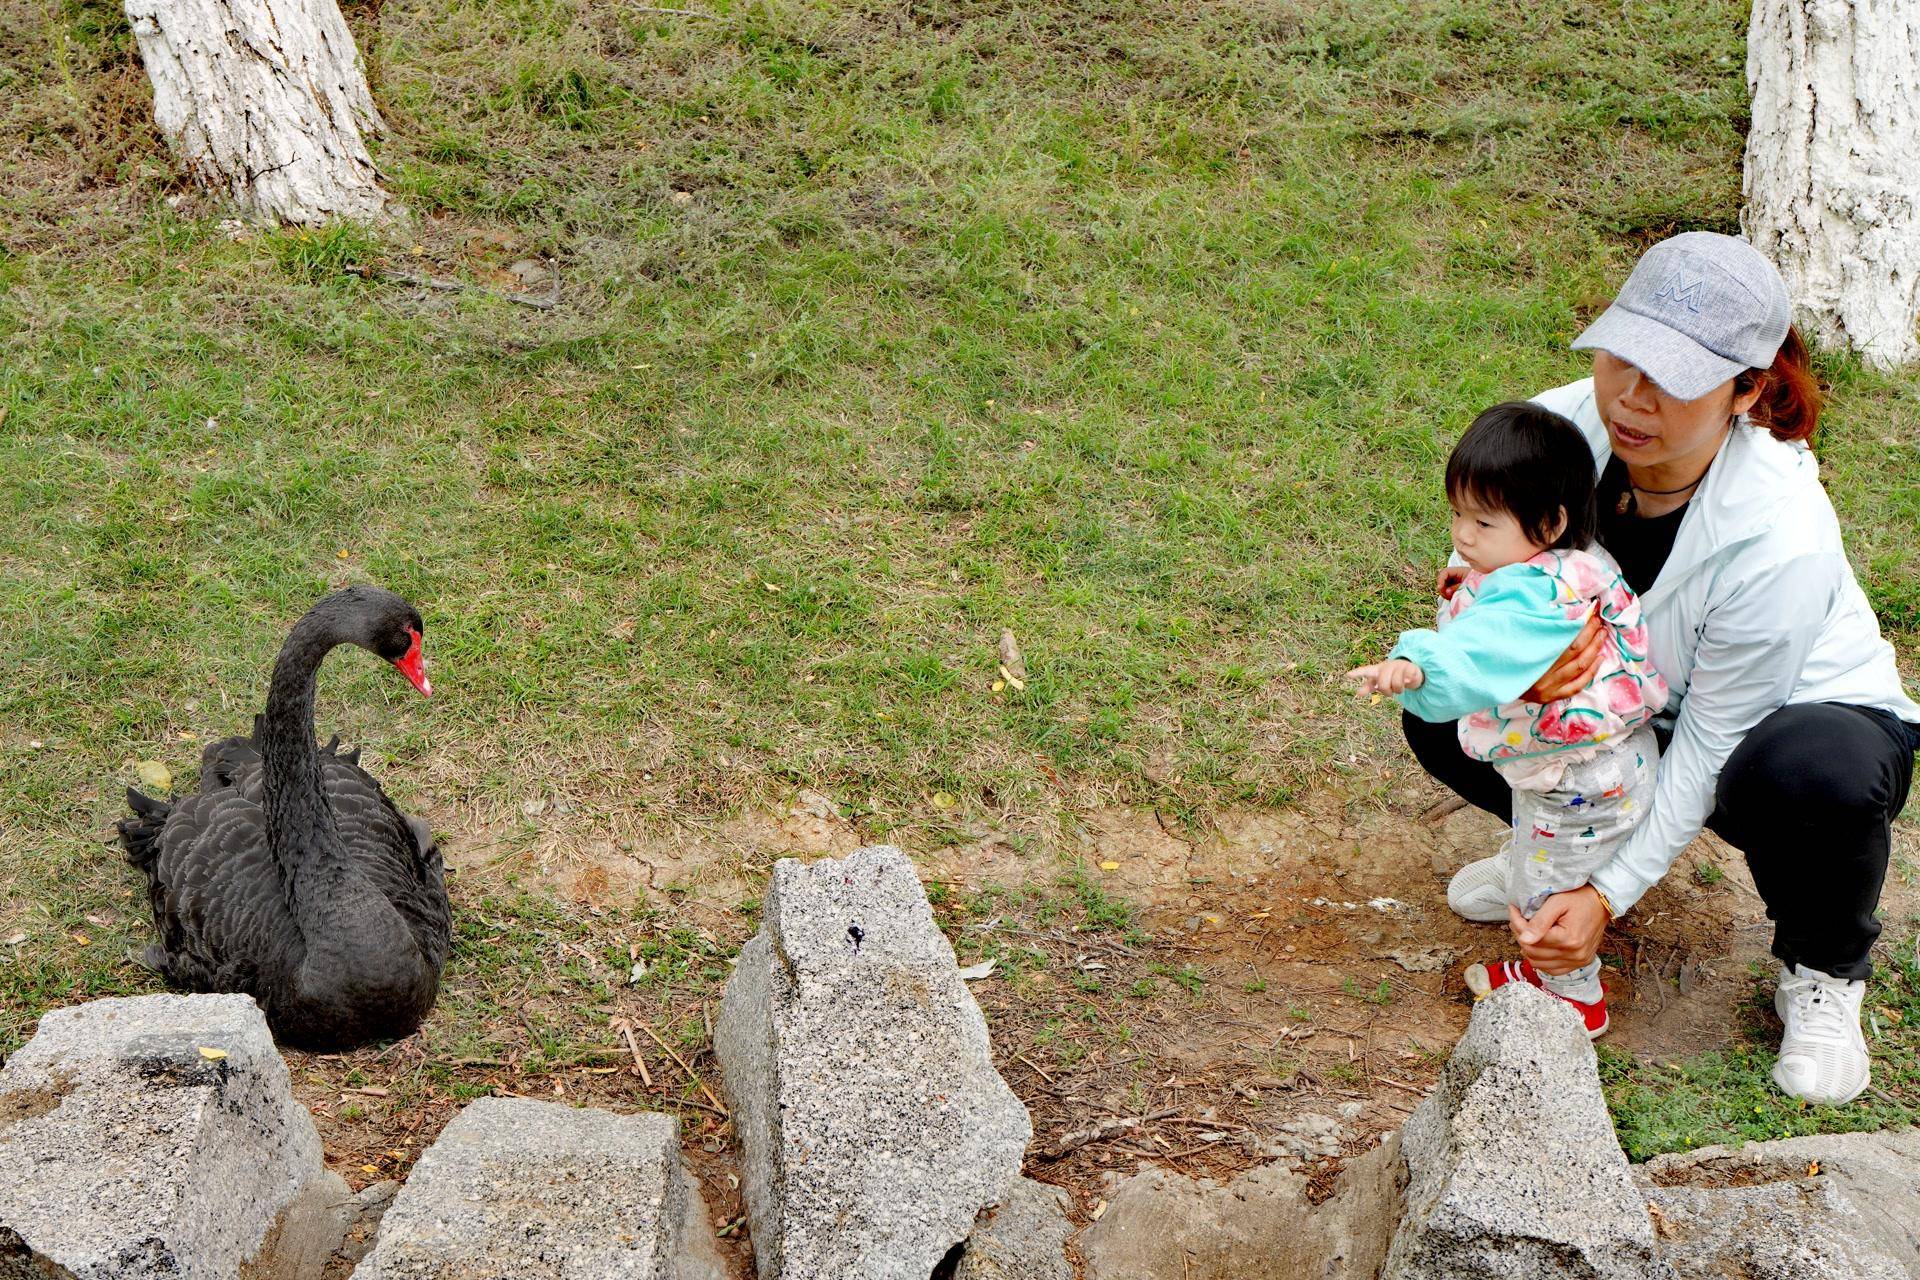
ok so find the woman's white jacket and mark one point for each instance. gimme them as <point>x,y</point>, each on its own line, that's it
<point>1755,609</point>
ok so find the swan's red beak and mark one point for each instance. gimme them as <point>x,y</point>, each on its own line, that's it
<point>414,667</point>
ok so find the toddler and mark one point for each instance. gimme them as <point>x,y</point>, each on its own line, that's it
<point>1521,485</point>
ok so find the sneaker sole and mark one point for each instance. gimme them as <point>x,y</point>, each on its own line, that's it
<point>1781,1085</point>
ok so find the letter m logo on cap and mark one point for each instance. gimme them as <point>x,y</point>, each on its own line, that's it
<point>1681,292</point>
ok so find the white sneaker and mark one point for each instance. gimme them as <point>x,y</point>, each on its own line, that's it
<point>1478,891</point>
<point>1823,1056</point>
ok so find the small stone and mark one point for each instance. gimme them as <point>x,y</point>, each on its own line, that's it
<point>1483,1201</point>
<point>517,1189</point>
<point>873,1124</point>
<point>1308,1137</point>
<point>132,1151</point>
<point>1260,1225</point>
<point>1814,1208</point>
<point>1024,1238</point>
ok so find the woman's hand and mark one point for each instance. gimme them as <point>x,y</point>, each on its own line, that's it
<point>1451,576</point>
<point>1575,668</point>
<point>1564,933</point>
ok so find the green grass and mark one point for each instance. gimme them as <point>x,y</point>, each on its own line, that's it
<point>1728,1096</point>
<point>1140,331</point>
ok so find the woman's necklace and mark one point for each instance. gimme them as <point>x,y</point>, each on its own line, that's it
<point>1628,504</point>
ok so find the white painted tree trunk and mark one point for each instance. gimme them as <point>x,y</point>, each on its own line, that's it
<point>1833,167</point>
<point>266,101</point>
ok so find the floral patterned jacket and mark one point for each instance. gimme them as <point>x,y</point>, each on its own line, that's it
<point>1532,743</point>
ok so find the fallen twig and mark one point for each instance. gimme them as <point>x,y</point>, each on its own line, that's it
<point>639,1063</point>
<point>691,1073</point>
<point>699,1106</point>
<point>1021,1057</point>
<point>1452,804</point>
<point>446,285</point>
<point>1415,1090</point>
<point>1079,1138</point>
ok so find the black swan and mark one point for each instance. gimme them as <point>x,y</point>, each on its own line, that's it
<point>290,876</point>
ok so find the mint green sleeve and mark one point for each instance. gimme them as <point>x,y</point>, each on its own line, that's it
<point>1492,652</point>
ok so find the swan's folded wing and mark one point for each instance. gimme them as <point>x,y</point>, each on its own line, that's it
<point>216,895</point>
<point>386,849</point>
<point>222,761</point>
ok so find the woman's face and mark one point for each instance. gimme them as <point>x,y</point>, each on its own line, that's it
<point>1648,427</point>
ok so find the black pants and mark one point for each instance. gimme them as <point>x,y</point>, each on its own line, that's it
<point>1809,796</point>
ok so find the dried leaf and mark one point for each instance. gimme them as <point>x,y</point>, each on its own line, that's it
<point>212,1054</point>
<point>638,972</point>
<point>976,971</point>
<point>1099,1211</point>
<point>153,775</point>
<point>998,685</point>
<point>1109,866</point>
<point>535,807</point>
<point>943,800</point>
<point>1012,679</point>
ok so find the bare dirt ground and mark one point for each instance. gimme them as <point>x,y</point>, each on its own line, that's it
<point>1289,987</point>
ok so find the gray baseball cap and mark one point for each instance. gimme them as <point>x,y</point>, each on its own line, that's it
<point>1699,308</point>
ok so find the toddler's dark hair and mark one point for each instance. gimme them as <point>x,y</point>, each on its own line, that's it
<point>1528,461</point>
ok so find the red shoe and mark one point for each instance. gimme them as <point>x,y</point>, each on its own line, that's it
<point>1482,979</point>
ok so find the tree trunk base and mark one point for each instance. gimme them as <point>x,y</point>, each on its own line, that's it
<point>1833,167</point>
<point>266,101</point>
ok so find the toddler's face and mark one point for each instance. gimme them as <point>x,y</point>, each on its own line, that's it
<point>1489,540</point>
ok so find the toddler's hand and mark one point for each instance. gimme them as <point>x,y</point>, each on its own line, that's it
<point>1395,675</point>
<point>1451,576</point>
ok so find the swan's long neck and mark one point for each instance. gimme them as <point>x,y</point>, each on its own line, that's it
<point>337,910</point>
<point>301,833</point>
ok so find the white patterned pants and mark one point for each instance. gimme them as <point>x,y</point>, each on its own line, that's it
<point>1561,837</point>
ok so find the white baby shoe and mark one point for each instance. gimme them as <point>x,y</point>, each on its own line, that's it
<point>1823,1056</point>
<point>1478,891</point>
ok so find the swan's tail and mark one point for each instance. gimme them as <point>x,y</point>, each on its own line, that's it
<point>140,834</point>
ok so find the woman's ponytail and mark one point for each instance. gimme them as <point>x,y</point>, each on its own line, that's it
<point>1789,403</point>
